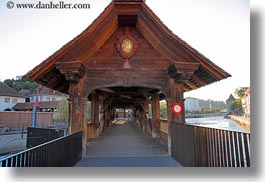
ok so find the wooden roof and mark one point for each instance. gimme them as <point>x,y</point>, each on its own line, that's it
<point>5,90</point>
<point>29,105</point>
<point>160,49</point>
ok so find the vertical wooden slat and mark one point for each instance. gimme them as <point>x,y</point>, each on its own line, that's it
<point>219,148</point>
<point>9,162</point>
<point>182,143</point>
<point>213,147</point>
<point>14,160</point>
<point>232,149</point>
<point>204,150</point>
<point>208,147</point>
<point>236,149</point>
<point>228,145</point>
<point>247,149</point>
<point>241,149</point>
<point>225,149</point>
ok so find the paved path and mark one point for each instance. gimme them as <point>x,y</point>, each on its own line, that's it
<point>126,145</point>
<point>12,143</point>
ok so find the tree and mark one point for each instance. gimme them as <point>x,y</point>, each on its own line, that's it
<point>240,92</point>
<point>163,110</point>
<point>236,107</point>
<point>62,113</point>
<point>21,83</point>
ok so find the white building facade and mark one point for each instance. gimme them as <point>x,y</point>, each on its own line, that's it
<point>192,104</point>
<point>9,98</point>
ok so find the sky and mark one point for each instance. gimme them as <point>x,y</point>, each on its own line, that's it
<point>219,29</point>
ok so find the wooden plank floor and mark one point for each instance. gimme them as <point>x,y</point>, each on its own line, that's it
<point>126,145</point>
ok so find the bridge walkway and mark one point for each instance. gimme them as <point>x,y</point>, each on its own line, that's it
<point>126,145</point>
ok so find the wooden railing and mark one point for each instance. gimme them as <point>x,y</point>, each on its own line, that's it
<point>195,146</point>
<point>62,152</point>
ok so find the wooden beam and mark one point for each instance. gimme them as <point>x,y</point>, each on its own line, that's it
<point>186,89</point>
<point>107,90</point>
<point>190,84</point>
<point>139,103</point>
<point>199,80</point>
<point>146,97</point>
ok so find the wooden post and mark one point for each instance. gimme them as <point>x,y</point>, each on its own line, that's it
<point>145,118</point>
<point>78,111</point>
<point>176,96</point>
<point>169,118</point>
<point>124,113</point>
<point>84,125</point>
<point>95,115</point>
<point>155,115</point>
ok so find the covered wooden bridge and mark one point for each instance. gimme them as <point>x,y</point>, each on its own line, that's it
<point>127,58</point>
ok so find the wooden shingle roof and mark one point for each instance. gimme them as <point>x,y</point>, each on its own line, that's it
<point>29,105</point>
<point>5,90</point>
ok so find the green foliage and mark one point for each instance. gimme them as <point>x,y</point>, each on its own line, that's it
<point>62,113</point>
<point>150,112</point>
<point>240,92</point>
<point>236,107</point>
<point>211,110</point>
<point>88,112</point>
<point>19,84</point>
<point>163,110</point>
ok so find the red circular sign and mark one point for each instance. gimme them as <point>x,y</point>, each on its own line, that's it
<point>177,108</point>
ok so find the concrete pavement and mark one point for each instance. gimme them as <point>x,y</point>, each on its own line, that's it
<point>12,143</point>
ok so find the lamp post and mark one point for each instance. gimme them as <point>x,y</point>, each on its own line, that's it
<point>35,109</point>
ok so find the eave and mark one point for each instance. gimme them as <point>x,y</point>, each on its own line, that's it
<point>136,14</point>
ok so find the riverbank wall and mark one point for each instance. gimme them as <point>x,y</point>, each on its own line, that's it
<point>243,121</point>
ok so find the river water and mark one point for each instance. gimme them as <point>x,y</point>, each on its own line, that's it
<point>218,122</point>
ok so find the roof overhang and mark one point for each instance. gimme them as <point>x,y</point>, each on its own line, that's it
<point>200,70</point>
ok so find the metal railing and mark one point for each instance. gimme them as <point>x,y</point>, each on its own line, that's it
<point>195,146</point>
<point>62,152</point>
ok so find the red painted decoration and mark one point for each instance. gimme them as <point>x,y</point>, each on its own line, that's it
<point>177,108</point>
<point>127,45</point>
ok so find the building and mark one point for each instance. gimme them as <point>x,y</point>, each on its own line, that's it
<point>44,95</point>
<point>246,102</point>
<point>48,99</point>
<point>9,97</point>
<point>43,107</point>
<point>228,103</point>
<point>192,104</point>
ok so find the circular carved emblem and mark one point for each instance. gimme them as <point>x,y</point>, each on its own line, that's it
<point>126,45</point>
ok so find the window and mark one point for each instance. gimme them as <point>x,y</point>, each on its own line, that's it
<point>53,99</point>
<point>14,100</point>
<point>48,98</point>
<point>7,100</point>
